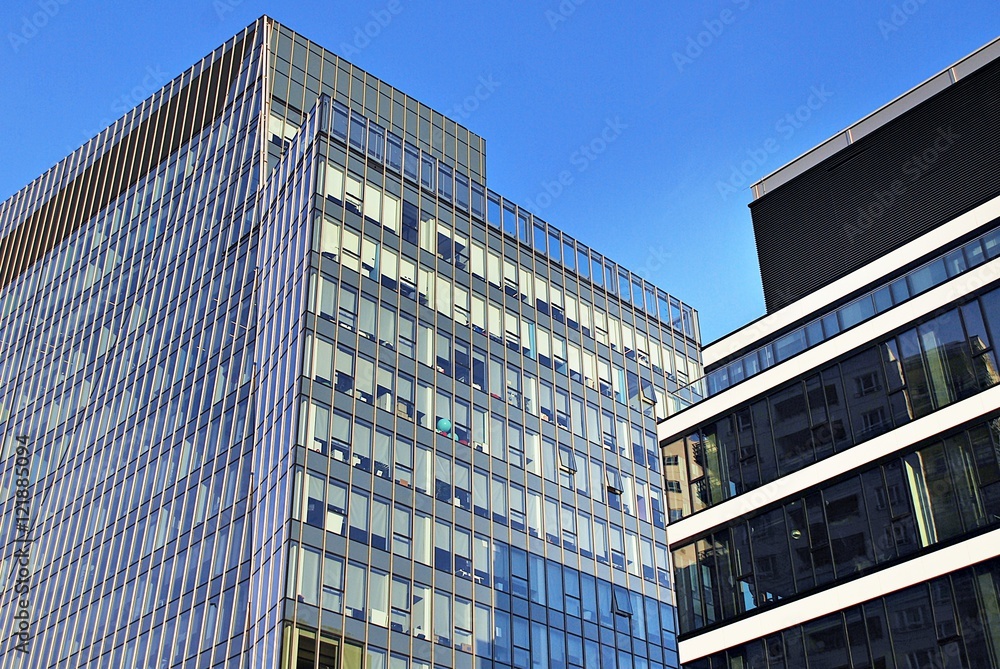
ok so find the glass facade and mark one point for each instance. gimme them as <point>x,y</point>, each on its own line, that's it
<point>951,621</point>
<point>127,368</point>
<point>926,497</point>
<point>306,393</point>
<point>938,361</point>
<point>841,510</point>
<point>477,479</point>
<point>947,265</point>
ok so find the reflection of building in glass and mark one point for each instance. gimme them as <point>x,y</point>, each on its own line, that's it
<point>298,385</point>
<point>835,498</point>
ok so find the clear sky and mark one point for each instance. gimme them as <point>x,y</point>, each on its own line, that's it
<point>685,91</point>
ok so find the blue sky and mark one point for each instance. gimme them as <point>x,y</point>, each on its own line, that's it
<point>686,91</point>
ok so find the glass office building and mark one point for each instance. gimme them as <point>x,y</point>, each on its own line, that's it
<point>282,383</point>
<point>834,496</point>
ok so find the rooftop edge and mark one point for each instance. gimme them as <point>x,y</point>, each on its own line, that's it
<point>878,118</point>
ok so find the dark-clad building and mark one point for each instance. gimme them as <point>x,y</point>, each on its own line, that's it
<point>834,496</point>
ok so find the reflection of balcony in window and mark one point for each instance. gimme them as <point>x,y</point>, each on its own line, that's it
<point>867,384</point>
<point>873,423</point>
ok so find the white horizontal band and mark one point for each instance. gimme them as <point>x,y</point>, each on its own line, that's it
<point>911,572</point>
<point>853,282</point>
<point>846,461</point>
<point>813,358</point>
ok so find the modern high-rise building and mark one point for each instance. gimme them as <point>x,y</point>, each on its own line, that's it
<point>283,384</point>
<point>834,496</point>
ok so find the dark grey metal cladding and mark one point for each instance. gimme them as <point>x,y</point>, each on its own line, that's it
<point>930,165</point>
